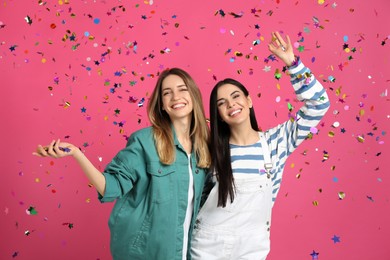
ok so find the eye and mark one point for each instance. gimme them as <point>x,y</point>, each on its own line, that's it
<point>220,103</point>
<point>184,88</point>
<point>236,96</point>
<point>166,92</point>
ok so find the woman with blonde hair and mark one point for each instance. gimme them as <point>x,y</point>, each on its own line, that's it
<point>157,179</point>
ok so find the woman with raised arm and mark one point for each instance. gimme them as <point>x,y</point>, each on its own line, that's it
<point>247,165</point>
<point>158,178</point>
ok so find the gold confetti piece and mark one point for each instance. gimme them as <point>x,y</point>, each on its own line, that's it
<point>333,167</point>
<point>331,134</point>
<point>341,195</point>
<point>361,112</point>
<point>338,91</point>
<point>315,203</point>
<point>360,139</point>
<point>326,156</point>
<point>298,176</point>
<point>320,190</point>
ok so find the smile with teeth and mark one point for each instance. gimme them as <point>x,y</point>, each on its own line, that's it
<point>180,105</point>
<point>235,112</point>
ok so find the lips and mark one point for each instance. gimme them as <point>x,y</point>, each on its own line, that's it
<point>179,105</point>
<point>235,112</point>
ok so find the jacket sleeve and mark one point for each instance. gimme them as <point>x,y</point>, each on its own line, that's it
<point>124,170</point>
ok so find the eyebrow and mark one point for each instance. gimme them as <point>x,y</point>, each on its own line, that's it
<point>231,94</point>
<point>178,86</point>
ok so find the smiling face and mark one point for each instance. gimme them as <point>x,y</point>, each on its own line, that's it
<point>176,99</point>
<point>233,105</point>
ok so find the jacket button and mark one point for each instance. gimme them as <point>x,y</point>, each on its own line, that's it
<point>196,171</point>
<point>159,170</point>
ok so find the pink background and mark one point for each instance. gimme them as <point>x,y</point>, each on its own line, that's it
<point>79,70</point>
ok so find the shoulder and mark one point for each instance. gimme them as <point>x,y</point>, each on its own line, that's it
<point>143,131</point>
<point>144,135</point>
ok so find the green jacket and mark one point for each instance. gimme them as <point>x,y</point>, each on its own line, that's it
<point>151,200</point>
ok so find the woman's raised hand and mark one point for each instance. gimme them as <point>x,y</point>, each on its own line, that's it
<point>282,48</point>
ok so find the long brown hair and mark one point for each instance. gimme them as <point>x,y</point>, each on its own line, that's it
<point>161,121</point>
<point>220,152</point>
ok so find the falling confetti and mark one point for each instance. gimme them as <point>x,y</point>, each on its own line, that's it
<point>85,69</point>
<point>31,211</point>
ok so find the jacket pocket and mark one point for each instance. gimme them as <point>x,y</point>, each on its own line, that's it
<point>162,181</point>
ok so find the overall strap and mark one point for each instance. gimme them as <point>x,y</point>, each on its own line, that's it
<point>266,154</point>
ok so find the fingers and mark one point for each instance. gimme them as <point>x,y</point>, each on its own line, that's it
<point>52,150</point>
<point>56,146</point>
<point>40,151</point>
<point>278,41</point>
<point>288,41</point>
<point>279,38</point>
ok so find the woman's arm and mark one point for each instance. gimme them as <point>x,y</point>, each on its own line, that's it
<point>56,149</point>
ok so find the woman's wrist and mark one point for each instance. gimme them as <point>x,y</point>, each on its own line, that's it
<point>291,61</point>
<point>77,153</point>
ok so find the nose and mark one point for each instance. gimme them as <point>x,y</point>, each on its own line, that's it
<point>176,95</point>
<point>229,103</point>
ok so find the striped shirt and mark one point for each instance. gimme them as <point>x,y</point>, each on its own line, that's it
<point>283,139</point>
<point>247,159</point>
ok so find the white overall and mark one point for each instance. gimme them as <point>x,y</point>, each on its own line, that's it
<point>241,229</point>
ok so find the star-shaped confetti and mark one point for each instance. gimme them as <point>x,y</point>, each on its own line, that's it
<point>314,255</point>
<point>336,239</point>
<point>13,48</point>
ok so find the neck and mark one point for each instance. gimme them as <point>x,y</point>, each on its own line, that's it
<point>182,130</point>
<point>243,135</point>
<point>182,127</point>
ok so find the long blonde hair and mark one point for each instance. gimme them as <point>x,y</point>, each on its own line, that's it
<point>161,122</point>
